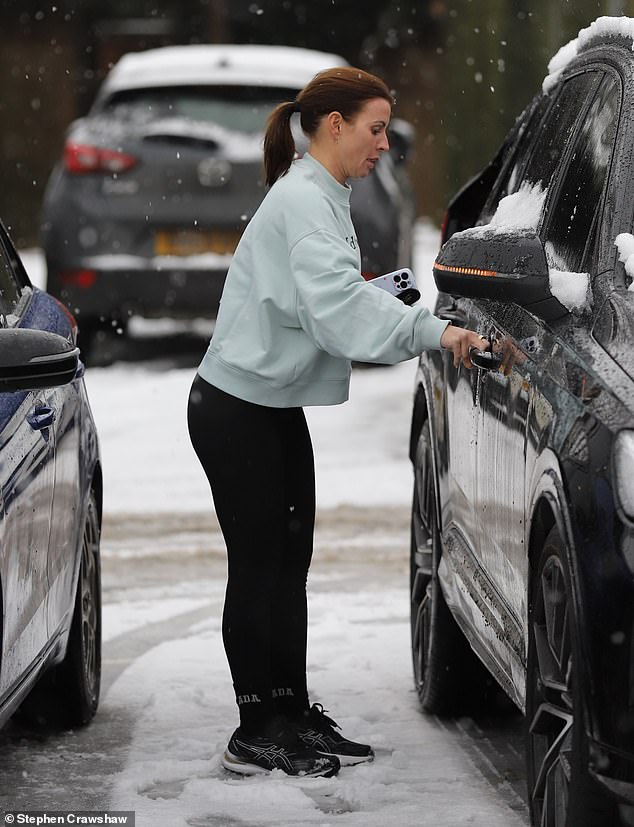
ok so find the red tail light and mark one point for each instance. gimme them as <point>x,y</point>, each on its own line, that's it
<point>80,158</point>
<point>367,276</point>
<point>77,278</point>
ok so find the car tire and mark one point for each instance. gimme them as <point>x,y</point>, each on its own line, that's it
<point>449,678</point>
<point>561,791</point>
<point>68,694</point>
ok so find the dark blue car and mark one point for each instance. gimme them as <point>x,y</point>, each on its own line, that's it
<point>50,510</point>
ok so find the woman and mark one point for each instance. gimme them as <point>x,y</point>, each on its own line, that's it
<point>295,311</point>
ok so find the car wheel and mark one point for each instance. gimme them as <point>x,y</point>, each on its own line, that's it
<point>68,694</point>
<point>80,672</point>
<point>449,678</point>
<point>561,791</point>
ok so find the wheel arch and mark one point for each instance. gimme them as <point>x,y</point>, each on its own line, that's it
<point>419,414</point>
<point>547,508</point>
<point>97,487</point>
<point>550,509</point>
<point>422,412</point>
<point>542,521</point>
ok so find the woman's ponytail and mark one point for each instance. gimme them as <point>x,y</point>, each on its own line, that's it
<point>279,145</point>
<point>342,89</point>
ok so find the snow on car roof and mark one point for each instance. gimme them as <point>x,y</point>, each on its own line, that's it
<point>281,66</point>
<point>602,27</point>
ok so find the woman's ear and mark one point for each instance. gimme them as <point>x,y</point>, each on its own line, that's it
<point>335,120</point>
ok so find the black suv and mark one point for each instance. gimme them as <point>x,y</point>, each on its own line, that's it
<point>522,547</point>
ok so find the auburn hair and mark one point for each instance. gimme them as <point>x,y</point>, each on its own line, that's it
<point>343,89</point>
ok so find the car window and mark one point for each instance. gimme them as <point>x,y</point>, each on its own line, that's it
<point>572,214</point>
<point>536,143</point>
<point>237,108</point>
<point>10,286</point>
<point>515,150</point>
<point>557,129</point>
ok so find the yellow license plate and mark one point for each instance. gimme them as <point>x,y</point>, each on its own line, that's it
<point>195,242</point>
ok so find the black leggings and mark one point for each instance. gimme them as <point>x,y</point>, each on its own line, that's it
<point>259,463</point>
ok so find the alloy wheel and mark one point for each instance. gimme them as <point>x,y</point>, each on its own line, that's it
<point>89,585</point>
<point>551,726</point>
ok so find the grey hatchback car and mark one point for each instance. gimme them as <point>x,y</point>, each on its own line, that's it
<point>157,182</point>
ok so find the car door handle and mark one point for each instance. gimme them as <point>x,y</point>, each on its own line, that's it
<point>485,359</point>
<point>42,416</point>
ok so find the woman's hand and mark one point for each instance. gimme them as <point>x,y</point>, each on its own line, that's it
<point>460,342</point>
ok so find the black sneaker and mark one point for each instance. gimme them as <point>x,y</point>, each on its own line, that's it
<point>278,749</point>
<point>319,731</point>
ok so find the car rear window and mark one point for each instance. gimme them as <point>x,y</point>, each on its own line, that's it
<point>236,108</point>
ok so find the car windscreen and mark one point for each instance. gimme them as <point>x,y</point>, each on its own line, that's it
<point>235,108</point>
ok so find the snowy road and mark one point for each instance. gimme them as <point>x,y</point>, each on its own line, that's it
<point>167,708</point>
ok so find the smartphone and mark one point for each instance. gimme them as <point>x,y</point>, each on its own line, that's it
<point>399,283</point>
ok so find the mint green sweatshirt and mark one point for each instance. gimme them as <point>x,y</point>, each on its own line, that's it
<point>295,309</point>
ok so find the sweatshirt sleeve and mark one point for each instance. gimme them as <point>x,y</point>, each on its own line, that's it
<point>349,318</point>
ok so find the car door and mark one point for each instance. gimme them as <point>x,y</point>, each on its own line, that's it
<point>467,592</point>
<point>27,476</point>
<point>63,405</point>
<point>66,515</point>
<point>460,424</point>
<point>466,523</point>
<point>513,404</point>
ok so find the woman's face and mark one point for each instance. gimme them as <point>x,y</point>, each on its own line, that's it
<point>363,139</point>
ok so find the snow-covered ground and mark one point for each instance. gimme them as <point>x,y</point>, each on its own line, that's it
<point>178,694</point>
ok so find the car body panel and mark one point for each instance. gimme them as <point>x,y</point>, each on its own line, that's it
<point>27,484</point>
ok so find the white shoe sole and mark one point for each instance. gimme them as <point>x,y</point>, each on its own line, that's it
<point>235,764</point>
<point>348,760</point>
<point>232,763</point>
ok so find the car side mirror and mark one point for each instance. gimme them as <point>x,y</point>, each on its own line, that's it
<point>35,359</point>
<point>504,267</point>
<point>401,137</point>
